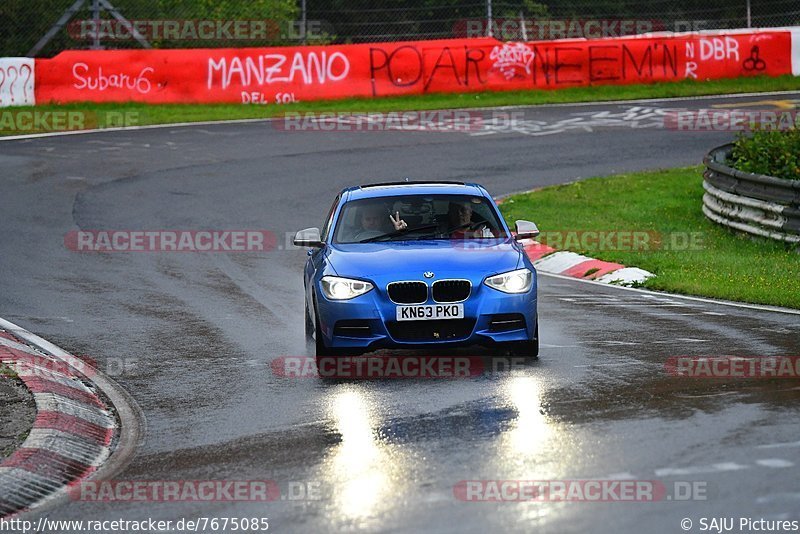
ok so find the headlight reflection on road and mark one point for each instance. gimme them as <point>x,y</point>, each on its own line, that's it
<point>529,442</point>
<point>363,471</point>
<point>534,448</point>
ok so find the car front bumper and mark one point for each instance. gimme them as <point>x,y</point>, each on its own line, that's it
<point>368,322</point>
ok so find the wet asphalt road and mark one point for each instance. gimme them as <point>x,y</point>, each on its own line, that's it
<point>191,336</point>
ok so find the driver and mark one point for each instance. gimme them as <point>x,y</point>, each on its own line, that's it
<point>460,218</point>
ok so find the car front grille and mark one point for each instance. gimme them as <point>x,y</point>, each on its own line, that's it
<point>408,292</point>
<point>437,330</point>
<point>451,290</point>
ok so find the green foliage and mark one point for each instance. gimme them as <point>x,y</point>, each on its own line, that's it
<point>529,9</point>
<point>774,153</point>
<point>6,371</point>
<point>713,262</point>
<point>24,22</point>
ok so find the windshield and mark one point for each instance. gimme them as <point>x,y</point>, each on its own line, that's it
<point>412,217</point>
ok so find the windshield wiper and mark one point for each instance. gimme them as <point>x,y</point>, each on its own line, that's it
<point>399,232</point>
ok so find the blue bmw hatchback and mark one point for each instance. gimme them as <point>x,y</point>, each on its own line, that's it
<point>418,264</point>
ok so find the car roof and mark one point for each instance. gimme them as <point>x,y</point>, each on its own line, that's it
<point>389,189</point>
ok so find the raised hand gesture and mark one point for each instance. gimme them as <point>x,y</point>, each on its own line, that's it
<point>399,224</point>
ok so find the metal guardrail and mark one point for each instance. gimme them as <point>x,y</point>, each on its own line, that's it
<point>754,203</point>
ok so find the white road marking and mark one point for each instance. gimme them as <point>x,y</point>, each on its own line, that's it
<point>619,476</point>
<point>778,497</point>
<point>639,301</point>
<point>779,445</point>
<point>774,309</point>
<point>705,395</point>
<point>639,305</point>
<point>780,330</point>
<point>774,463</point>
<point>612,342</point>
<point>45,317</point>
<point>714,468</point>
<point>677,314</point>
<point>529,106</point>
<point>611,364</point>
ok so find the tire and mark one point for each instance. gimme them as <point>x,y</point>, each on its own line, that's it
<point>316,340</point>
<point>528,349</point>
<point>320,350</point>
<point>309,331</point>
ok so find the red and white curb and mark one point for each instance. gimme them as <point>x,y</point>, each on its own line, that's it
<point>549,260</point>
<point>76,428</point>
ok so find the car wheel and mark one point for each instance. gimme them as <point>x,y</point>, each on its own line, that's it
<point>320,350</point>
<point>309,330</point>
<point>528,349</point>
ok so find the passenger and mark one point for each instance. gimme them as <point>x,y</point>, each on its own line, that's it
<point>372,219</point>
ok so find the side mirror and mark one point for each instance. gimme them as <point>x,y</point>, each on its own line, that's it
<point>526,230</point>
<point>308,238</point>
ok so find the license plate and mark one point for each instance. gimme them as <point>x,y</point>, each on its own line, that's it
<point>431,312</point>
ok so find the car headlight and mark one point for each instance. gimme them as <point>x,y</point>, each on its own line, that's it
<point>518,281</point>
<point>337,288</point>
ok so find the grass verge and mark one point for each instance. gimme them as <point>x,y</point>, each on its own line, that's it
<point>689,254</point>
<point>6,371</point>
<point>148,114</point>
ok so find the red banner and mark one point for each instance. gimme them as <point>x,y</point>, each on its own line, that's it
<point>289,74</point>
